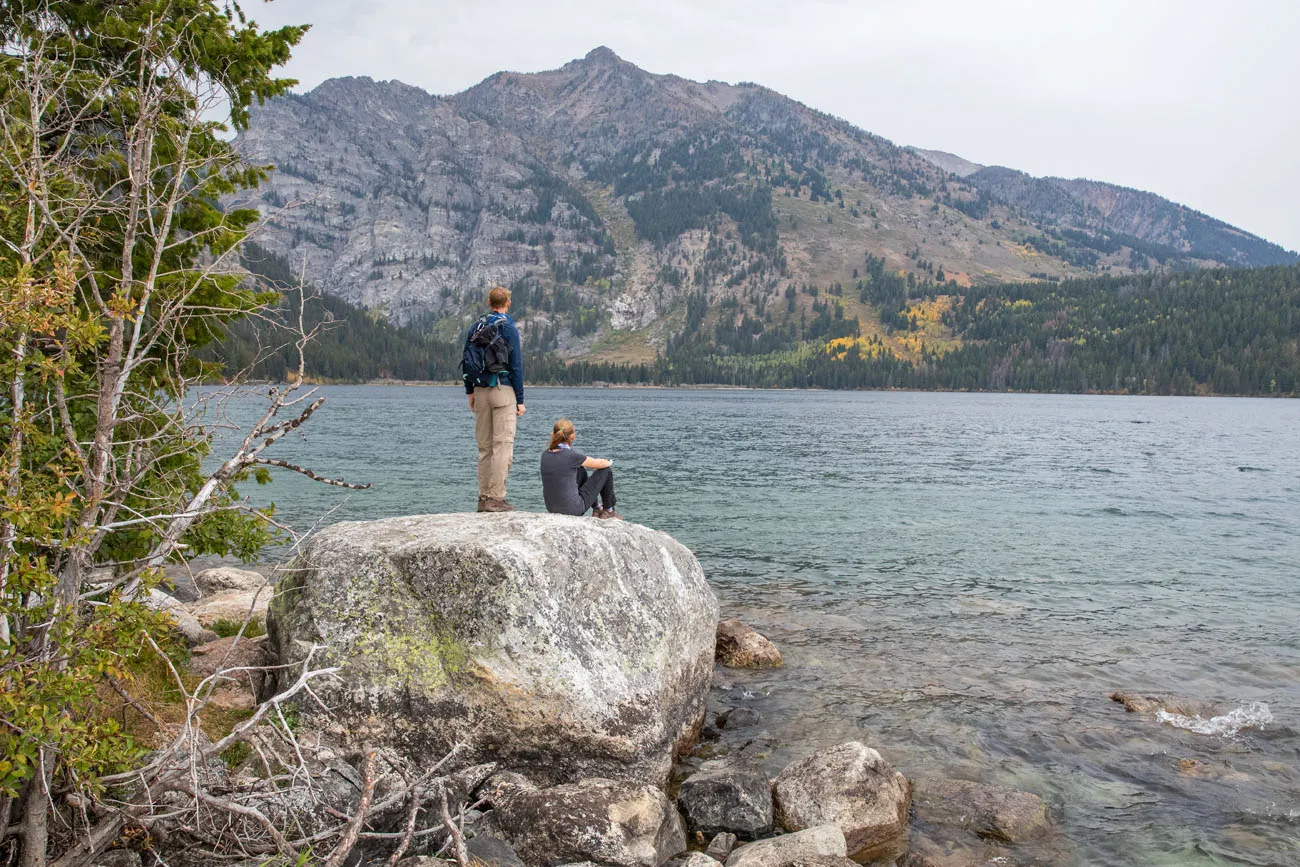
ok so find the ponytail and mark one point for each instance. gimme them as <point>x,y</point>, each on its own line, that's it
<point>561,433</point>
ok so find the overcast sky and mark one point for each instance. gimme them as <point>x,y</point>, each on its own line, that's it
<point>1192,99</point>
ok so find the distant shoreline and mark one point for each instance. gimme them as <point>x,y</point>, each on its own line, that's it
<point>428,383</point>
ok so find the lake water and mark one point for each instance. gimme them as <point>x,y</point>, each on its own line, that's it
<point>957,580</point>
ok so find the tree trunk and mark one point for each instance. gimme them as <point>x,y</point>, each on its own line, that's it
<point>36,830</point>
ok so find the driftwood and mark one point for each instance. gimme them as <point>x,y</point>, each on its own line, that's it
<point>185,800</point>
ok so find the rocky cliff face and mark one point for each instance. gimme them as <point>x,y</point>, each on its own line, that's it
<point>1127,215</point>
<point>611,200</point>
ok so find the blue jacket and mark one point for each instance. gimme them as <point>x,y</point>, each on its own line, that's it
<point>515,376</point>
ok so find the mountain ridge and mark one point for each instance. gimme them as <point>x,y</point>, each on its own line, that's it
<point>632,211</point>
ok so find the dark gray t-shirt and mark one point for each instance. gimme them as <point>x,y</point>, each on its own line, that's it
<point>560,481</point>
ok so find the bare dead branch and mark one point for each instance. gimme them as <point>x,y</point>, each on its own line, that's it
<point>349,839</point>
<point>408,830</point>
<point>457,833</point>
<point>275,462</point>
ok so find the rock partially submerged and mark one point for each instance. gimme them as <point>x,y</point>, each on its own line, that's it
<point>849,786</point>
<point>739,646</point>
<point>1147,703</point>
<point>738,718</point>
<point>990,812</point>
<point>564,648</point>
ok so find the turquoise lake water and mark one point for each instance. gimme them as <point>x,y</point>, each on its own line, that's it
<point>957,580</point>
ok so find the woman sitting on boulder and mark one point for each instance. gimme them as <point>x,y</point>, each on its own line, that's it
<point>567,487</point>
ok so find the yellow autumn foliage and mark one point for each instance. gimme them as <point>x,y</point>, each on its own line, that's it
<point>930,311</point>
<point>868,347</point>
<point>931,335</point>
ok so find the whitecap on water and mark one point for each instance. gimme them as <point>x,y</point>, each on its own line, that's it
<point>1252,716</point>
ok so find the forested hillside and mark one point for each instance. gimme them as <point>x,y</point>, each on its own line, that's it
<point>351,344</point>
<point>1200,332</point>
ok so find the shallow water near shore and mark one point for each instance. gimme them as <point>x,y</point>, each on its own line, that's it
<point>958,580</point>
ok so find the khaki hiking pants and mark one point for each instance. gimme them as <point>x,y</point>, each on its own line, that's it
<point>494,428</point>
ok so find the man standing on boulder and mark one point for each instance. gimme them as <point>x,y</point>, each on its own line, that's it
<point>494,381</point>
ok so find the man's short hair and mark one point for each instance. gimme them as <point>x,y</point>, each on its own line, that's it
<point>499,297</point>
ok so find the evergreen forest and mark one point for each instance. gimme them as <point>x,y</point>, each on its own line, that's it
<point>1225,331</point>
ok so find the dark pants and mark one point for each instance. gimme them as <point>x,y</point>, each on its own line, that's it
<point>596,483</point>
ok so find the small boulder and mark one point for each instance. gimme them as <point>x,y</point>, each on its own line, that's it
<point>988,811</point>
<point>605,821</point>
<point>488,851</point>
<point>724,797</point>
<point>850,786</point>
<point>502,786</point>
<point>232,606</point>
<point>721,846</point>
<point>693,859</point>
<point>824,840</point>
<point>739,718</point>
<point>221,579</point>
<point>741,647</point>
<point>1151,704</point>
<point>187,624</point>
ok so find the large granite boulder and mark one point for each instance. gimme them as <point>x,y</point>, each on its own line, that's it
<point>562,647</point>
<point>849,786</point>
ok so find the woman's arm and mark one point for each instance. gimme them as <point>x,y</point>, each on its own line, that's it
<point>596,463</point>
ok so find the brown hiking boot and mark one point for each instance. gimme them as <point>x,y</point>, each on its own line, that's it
<point>609,514</point>
<point>482,504</point>
<point>491,504</point>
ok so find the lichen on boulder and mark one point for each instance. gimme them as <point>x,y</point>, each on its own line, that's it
<point>562,647</point>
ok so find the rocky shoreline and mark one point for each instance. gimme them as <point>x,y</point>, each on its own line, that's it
<point>561,669</point>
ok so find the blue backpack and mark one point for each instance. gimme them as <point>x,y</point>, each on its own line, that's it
<point>487,353</point>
